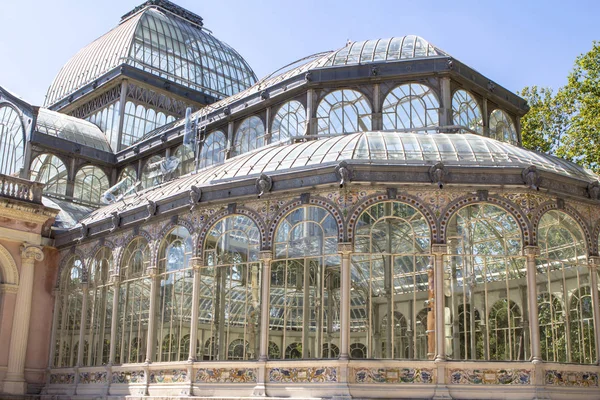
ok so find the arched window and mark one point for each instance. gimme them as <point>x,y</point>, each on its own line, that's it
<point>466,111</point>
<point>506,328</point>
<point>305,281</point>
<point>274,352</point>
<point>249,136</point>
<point>90,183</point>
<point>232,275</point>
<point>343,111</point>
<point>502,127</point>
<point>410,106</point>
<point>238,350</point>
<point>99,305</point>
<point>423,349</point>
<point>175,293</point>
<point>184,348</point>
<point>50,170</point>
<point>389,273</point>
<point>152,174</point>
<point>69,317</point>
<point>12,141</point>
<point>294,351</point>
<point>134,306</point>
<point>358,350</point>
<point>210,349</point>
<point>330,350</point>
<point>485,263</point>
<point>128,182</point>
<point>563,274</point>
<point>289,122</point>
<point>213,149</point>
<point>185,155</point>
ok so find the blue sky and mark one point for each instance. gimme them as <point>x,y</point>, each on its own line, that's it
<point>515,43</point>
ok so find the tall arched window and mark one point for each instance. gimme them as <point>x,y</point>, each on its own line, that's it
<point>128,177</point>
<point>485,264</point>
<point>389,277</point>
<point>410,106</point>
<point>69,318</point>
<point>305,282</point>
<point>175,293</point>
<point>567,329</point>
<point>289,122</point>
<point>502,127</point>
<point>249,136</point>
<point>152,174</point>
<point>466,111</point>
<point>100,304</point>
<point>134,303</point>
<point>12,141</point>
<point>90,183</point>
<point>230,290</point>
<point>213,149</point>
<point>50,170</point>
<point>343,111</point>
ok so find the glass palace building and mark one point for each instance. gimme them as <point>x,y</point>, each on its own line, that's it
<point>362,223</point>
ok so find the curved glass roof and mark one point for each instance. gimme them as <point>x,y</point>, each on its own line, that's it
<point>374,148</point>
<point>396,48</point>
<point>163,44</point>
<point>70,128</point>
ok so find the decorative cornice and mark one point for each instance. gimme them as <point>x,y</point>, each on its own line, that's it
<point>25,212</point>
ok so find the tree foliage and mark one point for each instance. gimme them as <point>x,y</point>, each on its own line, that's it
<point>567,122</point>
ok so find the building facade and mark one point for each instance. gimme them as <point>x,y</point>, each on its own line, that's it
<point>363,223</point>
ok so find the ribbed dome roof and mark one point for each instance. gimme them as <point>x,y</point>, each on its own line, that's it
<point>370,148</point>
<point>162,43</point>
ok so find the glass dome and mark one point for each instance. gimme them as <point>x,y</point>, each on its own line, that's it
<point>164,44</point>
<point>70,128</point>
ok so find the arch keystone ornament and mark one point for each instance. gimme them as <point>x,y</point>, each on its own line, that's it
<point>151,207</point>
<point>195,196</point>
<point>343,173</point>
<point>264,184</point>
<point>438,174</point>
<point>531,177</point>
<point>593,190</point>
<point>115,218</point>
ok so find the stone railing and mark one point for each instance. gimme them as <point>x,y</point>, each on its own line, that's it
<point>20,189</point>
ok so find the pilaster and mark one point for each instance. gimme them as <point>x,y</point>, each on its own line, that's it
<point>439,251</point>
<point>152,272</point>
<point>594,262</point>
<point>196,265</point>
<point>531,252</point>
<point>345,251</point>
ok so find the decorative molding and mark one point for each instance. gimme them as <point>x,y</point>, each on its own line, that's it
<point>226,375</point>
<point>303,375</point>
<point>92,377</point>
<point>393,375</point>
<point>438,174</point>
<point>343,173</point>
<point>263,184</point>
<point>168,376</point>
<point>10,273</point>
<point>195,196</point>
<point>9,288</point>
<point>571,378</point>
<point>531,177</point>
<point>29,251</point>
<point>489,376</point>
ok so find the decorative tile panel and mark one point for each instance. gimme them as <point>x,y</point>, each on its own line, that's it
<point>128,377</point>
<point>92,377</point>
<point>308,375</point>
<point>393,375</point>
<point>226,375</point>
<point>489,377</point>
<point>168,376</point>
<point>62,379</point>
<point>572,378</point>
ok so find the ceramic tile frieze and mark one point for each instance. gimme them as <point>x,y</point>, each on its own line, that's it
<point>489,377</point>
<point>92,377</point>
<point>393,375</point>
<point>168,376</point>
<point>62,379</point>
<point>128,377</point>
<point>572,378</point>
<point>226,375</point>
<point>307,375</point>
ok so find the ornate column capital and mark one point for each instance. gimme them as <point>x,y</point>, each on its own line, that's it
<point>345,248</point>
<point>531,251</point>
<point>152,271</point>
<point>594,261</point>
<point>115,279</point>
<point>266,255</point>
<point>196,263</point>
<point>31,252</point>
<point>439,248</point>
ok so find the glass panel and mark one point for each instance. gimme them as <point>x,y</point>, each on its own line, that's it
<point>391,275</point>
<point>12,141</point>
<point>343,111</point>
<point>51,171</point>
<point>502,127</point>
<point>213,149</point>
<point>486,287</point>
<point>90,183</point>
<point>466,111</point>
<point>410,106</point>
<point>289,122</point>
<point>249,136</point>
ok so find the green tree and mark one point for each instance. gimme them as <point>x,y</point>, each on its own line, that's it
<point>567,123</point>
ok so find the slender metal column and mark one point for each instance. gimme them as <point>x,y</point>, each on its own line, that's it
<point>196,264</point>
<point>531,252</point>
<point>154,282</point>
<point>84,303</point>
<point>446,105</point>
<point>377,116</point>
<point>310,122</point>
<point>14,382</point>
<point>114,321</point>
<point>593,263</point>
<point>122,102</point>
<point>345,251</point>
<point>266,258</point>
<point>439,251</point>
<point>56,296</point>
